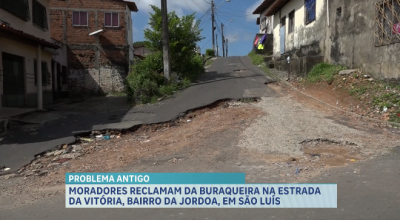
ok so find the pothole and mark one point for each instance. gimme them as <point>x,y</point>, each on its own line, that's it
<point>331,153</point>
<point>240,70</point>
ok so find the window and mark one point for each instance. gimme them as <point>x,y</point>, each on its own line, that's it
<point>283,21</point>
<point>310,10</point>
<point>291,22</point>
<point>387,21</point>
<point>80,18</point>
<point>19,8</point>
<point>111,19</point>
<point>39,15</point>
<point>45,73</point>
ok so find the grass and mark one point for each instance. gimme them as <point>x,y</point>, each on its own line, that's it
<point>256,59</point>
<point>323,72</point>
<point>209,61</point>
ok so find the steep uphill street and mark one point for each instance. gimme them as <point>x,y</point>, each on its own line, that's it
<point>282,137</point>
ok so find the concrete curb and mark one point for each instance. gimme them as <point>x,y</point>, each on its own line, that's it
<point>293,88</point>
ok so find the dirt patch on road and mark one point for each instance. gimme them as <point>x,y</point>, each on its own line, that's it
<point>148,146</point>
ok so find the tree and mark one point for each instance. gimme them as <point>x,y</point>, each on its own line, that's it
<point>184,34</point>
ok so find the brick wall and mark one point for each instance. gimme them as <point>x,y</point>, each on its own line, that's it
<point>102,52</point>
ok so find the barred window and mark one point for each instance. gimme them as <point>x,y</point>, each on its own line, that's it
<point>46,79</point>
<point>39,15</point>
<point>19,8</point>
<point>387,19</point>
<point>310,6</point>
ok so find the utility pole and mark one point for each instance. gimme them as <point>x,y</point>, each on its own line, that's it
<point>223,40</point>
<point>212,21</point>
<point>226,48</point>
<point>165,39</point>
<point>216,37</point>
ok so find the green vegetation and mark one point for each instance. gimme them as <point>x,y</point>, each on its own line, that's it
<point>256,59</point>
<point>210,53</point>
<point>146,81</point>
<point>323,72</point>
<point>209,62</point>
<point>358,91</point>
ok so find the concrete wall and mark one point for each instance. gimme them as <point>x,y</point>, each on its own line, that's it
<point>97,54</point>
<point>348,39</point>
<point>28,26</point>
<point>352,40</point>
<point>29,54</point>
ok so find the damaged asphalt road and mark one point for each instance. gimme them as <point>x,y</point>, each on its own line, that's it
<point>19,145</point>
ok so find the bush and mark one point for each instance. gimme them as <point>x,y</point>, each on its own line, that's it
<point>144,80</point>
<point>323,72</point>
<point>210,53</point>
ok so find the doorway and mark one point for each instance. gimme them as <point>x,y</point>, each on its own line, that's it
<point>13,81</point>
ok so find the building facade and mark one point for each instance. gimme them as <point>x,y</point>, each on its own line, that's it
<point>24,42</point>
<point>265,22</point>
<point>99,38</point>
<point>356,34</point>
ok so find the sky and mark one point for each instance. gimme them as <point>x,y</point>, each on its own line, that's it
<point>236,15</point>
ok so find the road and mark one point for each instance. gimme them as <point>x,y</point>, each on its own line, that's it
<point>256,139</point>
<point>19,146</point>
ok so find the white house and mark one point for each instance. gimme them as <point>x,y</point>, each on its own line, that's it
<point>265,22</point>
<point>24,42</point>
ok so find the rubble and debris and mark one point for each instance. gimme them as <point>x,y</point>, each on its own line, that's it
<point>348,72</point>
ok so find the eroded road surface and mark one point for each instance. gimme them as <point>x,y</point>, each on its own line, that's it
<point>281,137</point>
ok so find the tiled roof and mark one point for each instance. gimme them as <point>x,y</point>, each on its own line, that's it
<point>10,32</point>
<point>263,6</point>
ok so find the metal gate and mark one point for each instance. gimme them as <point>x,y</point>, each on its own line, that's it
<point>13,81</point>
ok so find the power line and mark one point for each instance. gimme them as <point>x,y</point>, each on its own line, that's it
<point>189,6</point>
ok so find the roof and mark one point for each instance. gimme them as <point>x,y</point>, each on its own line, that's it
<point>131,5</point>
<point>276,6</point>
<point>9,32</point>
<point>263,6</point>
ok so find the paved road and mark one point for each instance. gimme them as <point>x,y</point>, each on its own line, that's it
<point>370,194</point>
<point>228,78</point>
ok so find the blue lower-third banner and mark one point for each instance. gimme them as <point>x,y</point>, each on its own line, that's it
<point>210,192</point>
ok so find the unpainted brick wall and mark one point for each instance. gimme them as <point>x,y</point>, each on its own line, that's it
<point>91,55</point>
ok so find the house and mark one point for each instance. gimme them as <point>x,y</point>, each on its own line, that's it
<point>98,35</point>
<point>265,27</point>
<point>356,34</point>
<point>265,22</point>
<point>25,42</point>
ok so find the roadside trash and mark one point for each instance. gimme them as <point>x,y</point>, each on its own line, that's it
<point>3,168</point>
<point>146,141</point>
<point>118,136</point>
<point>99,137</point>
<point>353,160</point>
<point>106,137</point>
<point>189,120</point>
<point>385,109</point>
<point>297,171</point>
<point>112,136</point>
<point>86,139</point>
<point>398,115</point>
